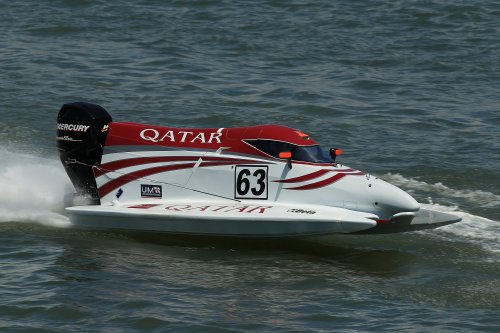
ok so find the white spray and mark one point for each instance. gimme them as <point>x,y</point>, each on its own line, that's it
<point>32,189</point>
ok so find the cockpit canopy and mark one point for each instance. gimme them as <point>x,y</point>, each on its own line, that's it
<point>312,154</point>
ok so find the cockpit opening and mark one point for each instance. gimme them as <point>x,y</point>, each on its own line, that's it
<point>313,154</point>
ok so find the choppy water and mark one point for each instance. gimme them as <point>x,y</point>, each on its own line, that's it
<point>408,89</point>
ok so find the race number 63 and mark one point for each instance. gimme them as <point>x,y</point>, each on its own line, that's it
<point>250,182</point>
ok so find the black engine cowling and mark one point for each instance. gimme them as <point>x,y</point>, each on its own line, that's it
<point>81,133</point>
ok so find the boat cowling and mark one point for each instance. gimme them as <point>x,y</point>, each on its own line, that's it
<point>81,133</point>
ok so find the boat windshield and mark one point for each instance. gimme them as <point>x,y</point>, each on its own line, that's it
<point>312,154</point>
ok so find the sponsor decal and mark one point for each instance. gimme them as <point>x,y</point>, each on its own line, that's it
<point>153,135</point>
<point>301,211</point>
<point>249,209</point>
<point>72,127</point>
<point>151,191</point>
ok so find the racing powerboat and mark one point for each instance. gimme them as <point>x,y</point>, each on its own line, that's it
<point>256,181</point>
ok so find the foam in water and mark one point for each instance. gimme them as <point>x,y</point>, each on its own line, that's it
<point>472,228</point>
<point>478,197</point>
<point>32,189</point>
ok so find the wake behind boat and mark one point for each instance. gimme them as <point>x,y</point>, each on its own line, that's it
<point>258,181</point>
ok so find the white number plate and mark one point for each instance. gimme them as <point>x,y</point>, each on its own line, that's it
<point>250,182</point>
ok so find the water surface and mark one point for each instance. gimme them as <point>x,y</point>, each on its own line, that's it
<point>407,89</point>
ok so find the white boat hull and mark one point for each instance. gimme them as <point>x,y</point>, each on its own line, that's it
<point>222,219</point>
<point>246,220</point>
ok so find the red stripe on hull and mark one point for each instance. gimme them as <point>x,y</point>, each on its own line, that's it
<point>324,182</point>
<point>308,176</point>
<point>313,175</point>
<point>120,181</point>
<point>125,163</point>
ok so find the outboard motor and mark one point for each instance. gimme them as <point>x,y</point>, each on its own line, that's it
<point>81,133</point>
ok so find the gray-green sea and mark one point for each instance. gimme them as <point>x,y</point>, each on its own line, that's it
<point>410,90</point>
